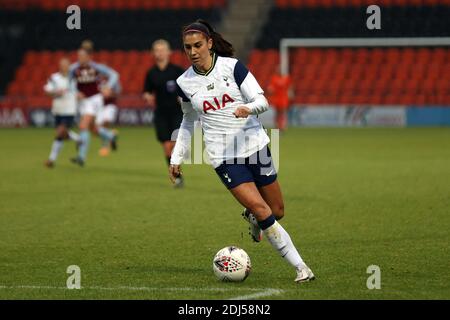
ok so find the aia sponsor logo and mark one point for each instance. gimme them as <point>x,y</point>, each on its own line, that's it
<point>216,104</point>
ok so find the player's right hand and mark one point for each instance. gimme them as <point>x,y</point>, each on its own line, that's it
<point>106,92</point>
<point>80,95</point>
<point>149,99</point>
<point>59,93</point>
<point>174,172</point>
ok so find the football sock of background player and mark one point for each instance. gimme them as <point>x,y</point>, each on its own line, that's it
<point>106,135</point>
<point>281,241</point>
<point>84,138</point>
<point>73,136</point>
<point>56,148</point>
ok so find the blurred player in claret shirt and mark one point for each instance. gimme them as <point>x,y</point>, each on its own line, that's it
<point>87,75</point>
<point>107,116</point>
<point>280,92</point>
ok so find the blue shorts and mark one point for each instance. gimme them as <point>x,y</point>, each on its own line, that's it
<point>257,168</point>
<point>66,121</point>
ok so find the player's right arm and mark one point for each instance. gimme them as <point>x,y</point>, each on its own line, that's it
<point>148,94</point>
<point>183,142</point>
<point>51,88</point>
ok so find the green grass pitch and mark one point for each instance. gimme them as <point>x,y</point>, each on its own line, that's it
<point>353,198</point>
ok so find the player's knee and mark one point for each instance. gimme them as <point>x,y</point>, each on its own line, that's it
<point>278,211</point>
<point>83,126</point>
<point>260,209</point>
<point>61,133</point>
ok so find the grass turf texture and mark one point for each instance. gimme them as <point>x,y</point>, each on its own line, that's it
<point>353,198</point>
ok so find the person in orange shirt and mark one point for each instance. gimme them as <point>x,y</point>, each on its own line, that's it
<point>279,95</point>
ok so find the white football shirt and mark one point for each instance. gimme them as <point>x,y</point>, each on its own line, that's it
<point>65,105</point>
<point>212,97</point>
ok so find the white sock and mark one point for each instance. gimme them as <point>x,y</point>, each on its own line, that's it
<point>281,241</point>
<point>56,148</point>
<point>74,136</point>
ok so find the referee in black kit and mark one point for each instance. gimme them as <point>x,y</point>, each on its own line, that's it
<point>161,95</point>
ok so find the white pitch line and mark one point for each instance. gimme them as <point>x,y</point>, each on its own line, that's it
<point>265,290</point>
<point>31,287</point>
<point>265,293</point>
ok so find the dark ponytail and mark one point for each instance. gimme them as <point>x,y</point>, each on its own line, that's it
<point>220,46</point>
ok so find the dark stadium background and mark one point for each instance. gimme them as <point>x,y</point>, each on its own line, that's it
<point>33,35</point>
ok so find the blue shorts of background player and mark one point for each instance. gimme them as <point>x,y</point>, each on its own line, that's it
<point>67,121</point>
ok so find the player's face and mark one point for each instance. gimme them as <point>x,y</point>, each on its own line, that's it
<point>83,57</point>
<point>161,52</point>
<point>197,48</point>
<point>64,65</point>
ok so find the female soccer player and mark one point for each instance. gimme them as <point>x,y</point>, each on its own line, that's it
<point>64,107</point>
<point>106,119</point>
<point>226,96</point>
<point>87,74</point>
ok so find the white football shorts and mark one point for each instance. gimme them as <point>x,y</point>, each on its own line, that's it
<point>92,105</point>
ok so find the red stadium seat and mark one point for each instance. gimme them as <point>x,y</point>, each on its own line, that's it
<point>350,76</point>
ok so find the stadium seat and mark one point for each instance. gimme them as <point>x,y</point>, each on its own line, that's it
<point>131,65</point>
<point>381,75</point>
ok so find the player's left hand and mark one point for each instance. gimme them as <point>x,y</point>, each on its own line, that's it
<point>241,112</point>
<point>106,92</point>
<point>174,172</point>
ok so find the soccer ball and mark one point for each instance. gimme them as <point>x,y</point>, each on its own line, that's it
<point>232,264</point>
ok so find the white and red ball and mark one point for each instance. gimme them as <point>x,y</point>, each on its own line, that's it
<point>232,264</point>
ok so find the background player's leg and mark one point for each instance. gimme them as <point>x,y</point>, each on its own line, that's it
<point>283,119</point>
<point>85,124</point>
<point>168,148</point>
<point>163,135</point>
<point>107,135</point>
<point>73,136</point>
<point>58,142</point>
<point>248,195</point>
<point>109,121</point>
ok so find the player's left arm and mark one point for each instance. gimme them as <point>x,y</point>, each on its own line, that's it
<point>50,88</point>
<point>111,74</point>
<point>251,91</point>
